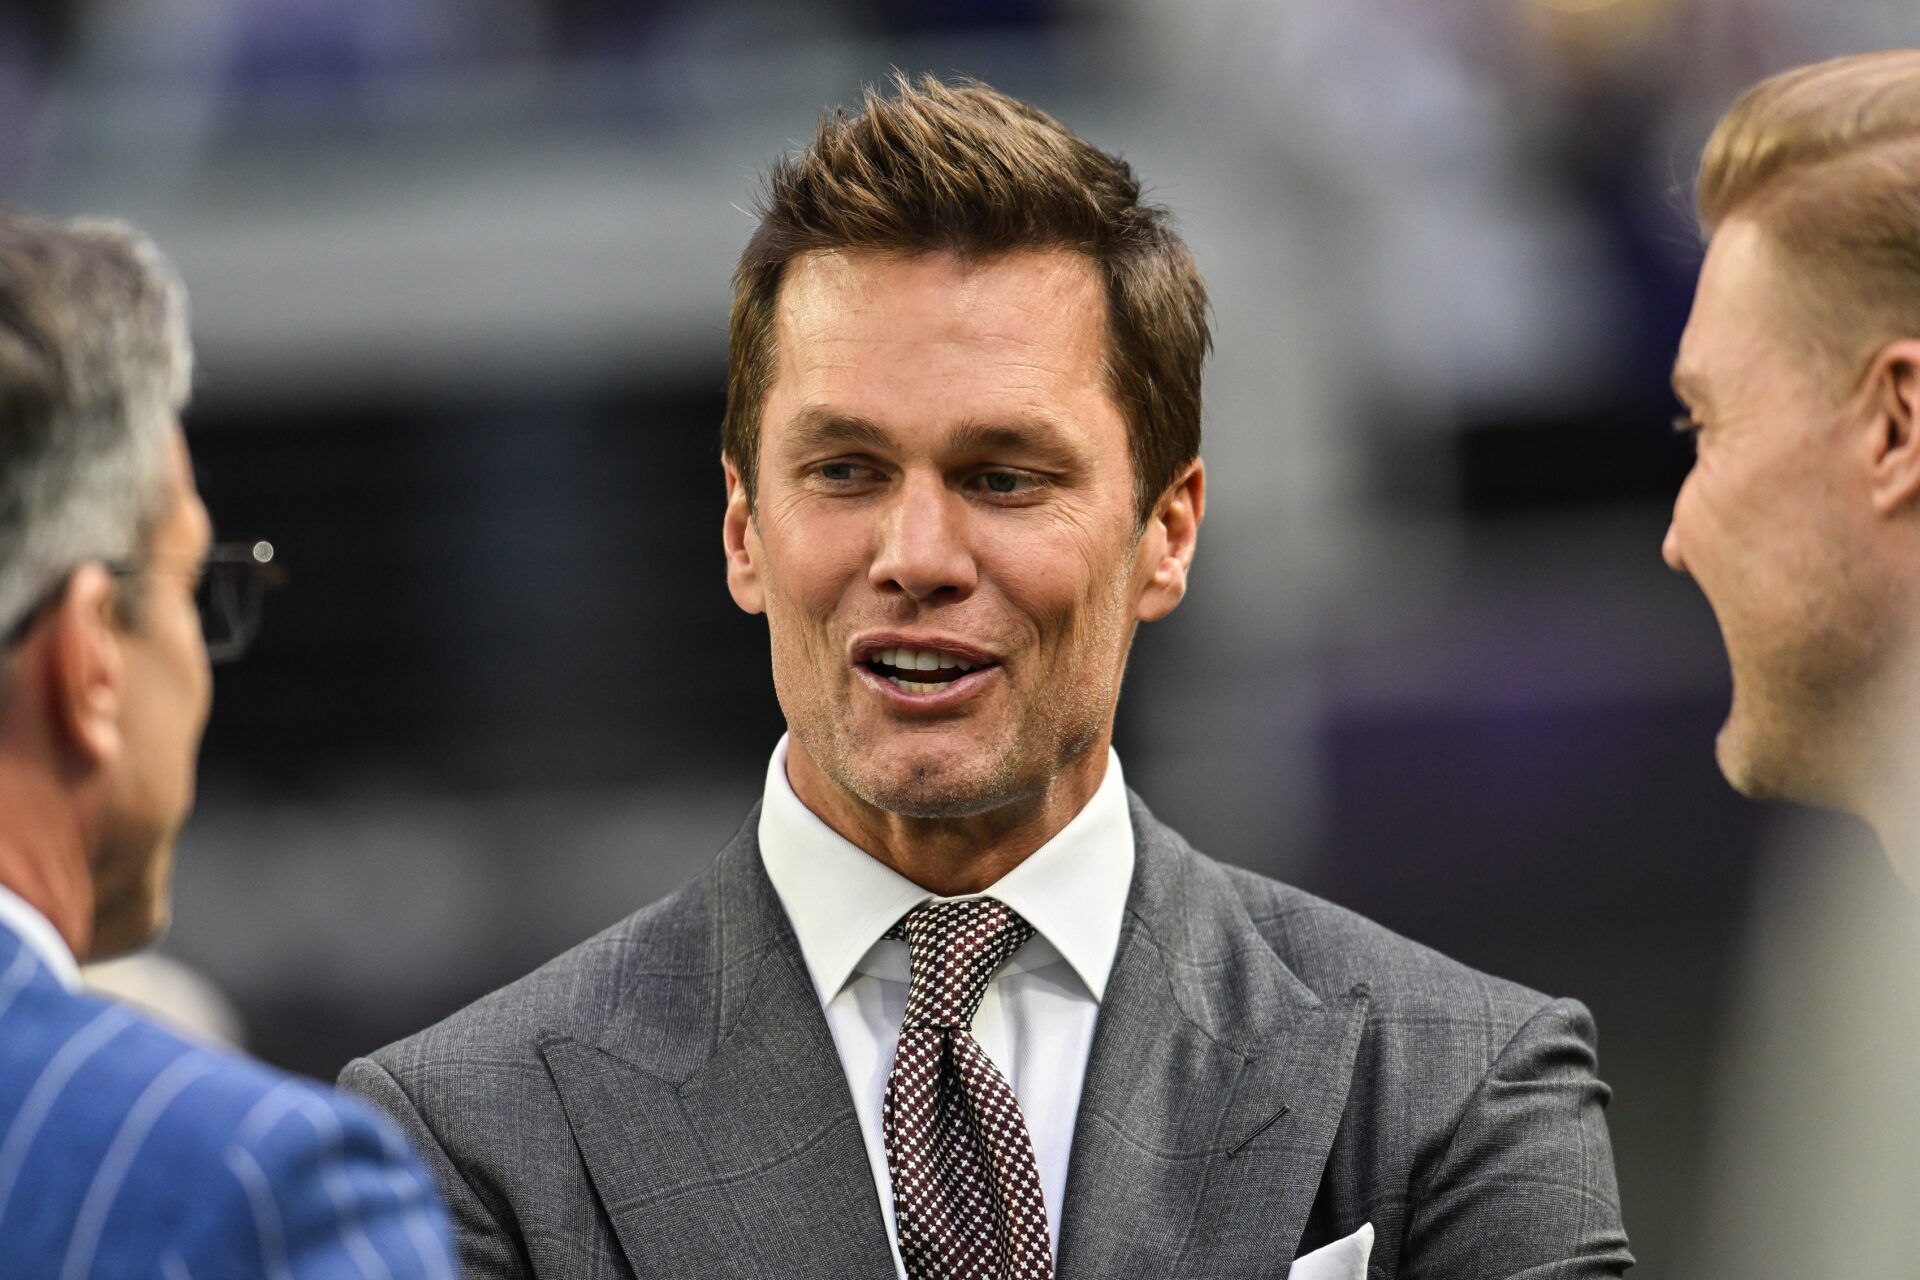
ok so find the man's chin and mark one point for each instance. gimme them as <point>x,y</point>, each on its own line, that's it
<point>934,782</point>
<point>136,911</point>
<point>1754,770</point>
<point>128,925</point>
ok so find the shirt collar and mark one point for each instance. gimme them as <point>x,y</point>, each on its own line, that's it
<point>840,899</point>
<point>39,936</point>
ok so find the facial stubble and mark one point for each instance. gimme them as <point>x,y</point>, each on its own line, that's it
<point>1803,718</point>
<point>1059,719</point>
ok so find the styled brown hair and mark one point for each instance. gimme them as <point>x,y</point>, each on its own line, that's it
<point>1826,160</point>
<point>965,169</point>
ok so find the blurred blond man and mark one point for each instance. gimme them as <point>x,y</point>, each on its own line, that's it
<point>1800,521</point>
<point>1800,373</point>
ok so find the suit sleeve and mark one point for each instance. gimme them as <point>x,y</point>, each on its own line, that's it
<point>317,1185</point>
<point>1525,1186</point>
<point>487,1250</point>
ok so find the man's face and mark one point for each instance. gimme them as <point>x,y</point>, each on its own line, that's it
<point>946,544</point>
<point>167,692</point>
<point>1774,524</point>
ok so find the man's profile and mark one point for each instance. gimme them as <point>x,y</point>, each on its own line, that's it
<point>1800,523</point>
<point>952,1002</point>
<point>1800,373</point>
<point>124,1149</point>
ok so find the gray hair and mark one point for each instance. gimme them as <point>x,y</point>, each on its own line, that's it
<point>94,369</point>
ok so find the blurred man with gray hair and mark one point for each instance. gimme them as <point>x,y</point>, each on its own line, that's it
<point>1800,373</point>
<point>125,1150</point>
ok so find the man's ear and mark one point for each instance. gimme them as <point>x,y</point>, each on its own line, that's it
<point>742,542</point>
<point>83,667</point>
<point>1892,391</point>
<point>1166,548</point>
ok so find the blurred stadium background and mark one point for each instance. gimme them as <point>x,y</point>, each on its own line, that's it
<point>460,279</point>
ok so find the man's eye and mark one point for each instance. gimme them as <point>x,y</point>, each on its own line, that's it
<point>1006,483</point>
<point>841,472</point>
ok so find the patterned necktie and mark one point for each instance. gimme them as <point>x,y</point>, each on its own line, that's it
<point>966,1194</point>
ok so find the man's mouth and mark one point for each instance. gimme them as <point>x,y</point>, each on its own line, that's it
<point>920,670</point>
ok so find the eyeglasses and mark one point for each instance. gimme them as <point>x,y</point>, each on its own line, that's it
<point>230,587</point>
<point>233,585</point>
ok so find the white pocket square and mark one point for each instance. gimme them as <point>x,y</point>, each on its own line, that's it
<point>1342,1260</point>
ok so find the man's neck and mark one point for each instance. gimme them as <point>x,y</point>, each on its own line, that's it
<point>1880,781</point>
<point>950,856</point>
<point>44,861</point>
<point>1896,822</point>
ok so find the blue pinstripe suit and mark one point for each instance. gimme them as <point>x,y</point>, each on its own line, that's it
<point>126,1151</point>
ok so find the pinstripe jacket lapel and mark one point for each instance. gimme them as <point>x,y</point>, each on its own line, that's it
<point>713,1115</point>
<point>18,970</point>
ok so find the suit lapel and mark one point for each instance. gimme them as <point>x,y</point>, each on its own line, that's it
<point>713,1115</point>
<point>1214,1089</point>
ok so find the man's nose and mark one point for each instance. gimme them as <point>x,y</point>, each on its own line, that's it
<point>1670,548</point>
<point>923,552</point>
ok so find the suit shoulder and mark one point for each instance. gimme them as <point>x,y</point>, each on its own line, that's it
<point>78,1053</point>
<point>110,1110</point>
<point>1332,949</point>
<point>224,1098</point>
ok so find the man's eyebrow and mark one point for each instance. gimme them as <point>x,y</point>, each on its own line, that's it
<point>1038,439</point>
<point>816,428</point>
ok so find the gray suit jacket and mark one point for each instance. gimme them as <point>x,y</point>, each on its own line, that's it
<point>1268,1073</point>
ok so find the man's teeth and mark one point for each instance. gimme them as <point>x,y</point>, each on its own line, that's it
<point>920,660</point>
<point>892,660</point>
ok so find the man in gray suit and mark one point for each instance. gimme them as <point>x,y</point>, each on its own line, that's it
<point>952,1002</point>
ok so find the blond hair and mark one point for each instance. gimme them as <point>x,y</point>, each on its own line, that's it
<point>1825,160</point>
<point>962,168</point>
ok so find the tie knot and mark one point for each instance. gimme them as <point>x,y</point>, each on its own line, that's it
<point>954,950</point>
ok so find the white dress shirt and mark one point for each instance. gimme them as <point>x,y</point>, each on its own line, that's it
<point>40,937</point>
<point>1036,1021</point>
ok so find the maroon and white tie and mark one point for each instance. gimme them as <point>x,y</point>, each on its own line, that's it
<point>966,1193</point>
